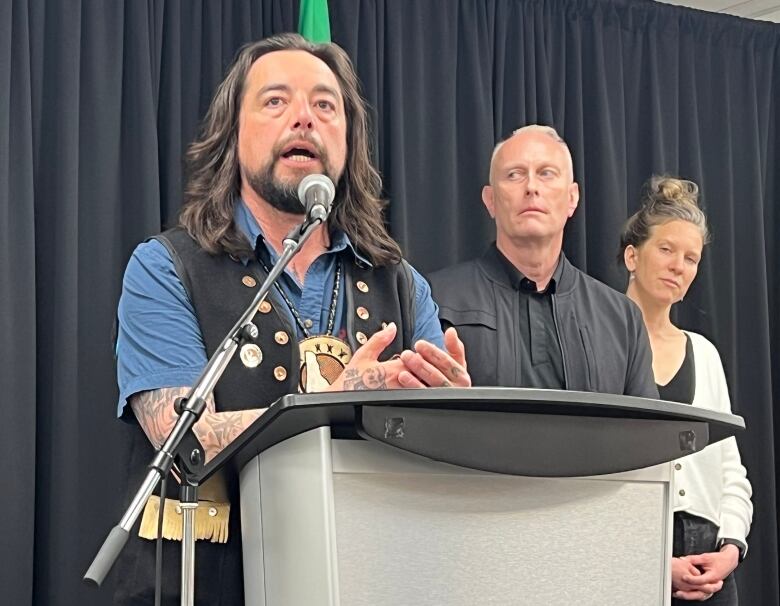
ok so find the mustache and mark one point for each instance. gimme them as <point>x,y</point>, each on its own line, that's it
<point>278,148</point>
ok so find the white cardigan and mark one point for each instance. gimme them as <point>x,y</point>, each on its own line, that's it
<point>713,483</point>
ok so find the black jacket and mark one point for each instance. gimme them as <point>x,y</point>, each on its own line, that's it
<point>602,335</point>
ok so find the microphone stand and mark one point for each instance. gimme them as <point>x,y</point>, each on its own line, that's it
<point>181,445</point>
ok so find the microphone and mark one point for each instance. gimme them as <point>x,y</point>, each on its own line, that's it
<point>316,193</point>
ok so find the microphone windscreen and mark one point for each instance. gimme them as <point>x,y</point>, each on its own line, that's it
<point>316,189</point>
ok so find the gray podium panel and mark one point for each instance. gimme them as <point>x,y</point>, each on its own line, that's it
<point>353,523</point>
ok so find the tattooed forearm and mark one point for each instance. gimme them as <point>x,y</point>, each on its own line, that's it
<point>154,411</point>
<point>373,377</point>
<point>218,429</point>
<point>215,430</point>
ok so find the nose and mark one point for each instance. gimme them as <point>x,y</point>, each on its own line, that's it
<point>531,185</point>
<point>303,116</point>
<point>678,262</point>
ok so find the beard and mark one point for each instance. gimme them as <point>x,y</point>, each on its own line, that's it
<point>282,194</point>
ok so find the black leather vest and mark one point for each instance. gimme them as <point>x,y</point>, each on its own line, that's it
<point>220,288</point>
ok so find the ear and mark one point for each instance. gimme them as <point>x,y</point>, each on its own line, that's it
<point>629,257</point>
<point>487,199</point>
<point>574,198</point>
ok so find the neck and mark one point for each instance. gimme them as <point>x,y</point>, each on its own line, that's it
<point>536,260</point>
<point>277,224</point>
<point>655,315</point>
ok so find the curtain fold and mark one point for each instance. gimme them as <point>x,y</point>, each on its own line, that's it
<point>18,376</point>
<point>99,100</point>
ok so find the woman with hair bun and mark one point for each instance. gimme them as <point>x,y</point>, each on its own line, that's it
<point>661,246</point>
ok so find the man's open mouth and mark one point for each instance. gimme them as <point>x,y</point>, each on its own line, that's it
<point>300,152</point>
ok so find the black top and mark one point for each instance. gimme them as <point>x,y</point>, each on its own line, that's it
<point>541,362</point>
<point>682,387</point>
<point>601,334</point>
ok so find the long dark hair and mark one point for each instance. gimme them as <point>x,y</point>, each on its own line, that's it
<point>214,181</point>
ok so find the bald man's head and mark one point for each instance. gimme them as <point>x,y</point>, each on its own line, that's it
<point>548,131</point>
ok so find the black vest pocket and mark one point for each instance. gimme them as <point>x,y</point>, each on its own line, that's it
<point>589,360</point>
<point>477,329</point>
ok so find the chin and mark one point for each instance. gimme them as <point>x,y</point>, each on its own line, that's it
<point>667,298</point>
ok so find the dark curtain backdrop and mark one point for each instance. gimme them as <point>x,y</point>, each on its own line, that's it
<point>99,99</point>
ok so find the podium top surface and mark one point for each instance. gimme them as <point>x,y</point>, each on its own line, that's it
<point>512,423</point>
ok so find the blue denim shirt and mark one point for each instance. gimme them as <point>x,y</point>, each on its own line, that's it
<point>159,343</point>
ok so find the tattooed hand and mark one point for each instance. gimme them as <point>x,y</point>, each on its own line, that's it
<point>365,371</point>
<point>434,367</point>
<point>428,367</point>
<point>372,377</point>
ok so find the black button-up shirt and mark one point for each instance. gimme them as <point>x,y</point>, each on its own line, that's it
<point>540,360</point>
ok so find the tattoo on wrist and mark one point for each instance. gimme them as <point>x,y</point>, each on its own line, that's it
<point>373,377</point>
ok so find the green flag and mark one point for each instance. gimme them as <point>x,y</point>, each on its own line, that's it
<point>314,22</point>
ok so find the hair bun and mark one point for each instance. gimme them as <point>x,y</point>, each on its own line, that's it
<point>668,190</point>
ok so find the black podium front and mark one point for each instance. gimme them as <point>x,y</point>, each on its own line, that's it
<point>463,496</point>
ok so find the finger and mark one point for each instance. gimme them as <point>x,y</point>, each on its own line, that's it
<point>376,344</point>
<point>692,576</point>
<point>455,346</point>
<point>691,595</point>
<point>408,381</point>
<point>689,567</point>
<point>444,364</point>
<point>698,583</point>
<point>368,376</point>
<point>710,587</point>
<point>709,576</point>
<point>423,370</point>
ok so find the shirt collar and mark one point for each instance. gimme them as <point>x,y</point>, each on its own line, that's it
<point>250,228</point>
<point>520,282</point>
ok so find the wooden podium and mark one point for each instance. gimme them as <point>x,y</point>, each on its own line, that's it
<point>463,496</point>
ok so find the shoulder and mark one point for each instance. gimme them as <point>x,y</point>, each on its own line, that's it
<point>453,272</point>
<point>603,294</point>
<point>700,341</point>
<point>461,286</point>
<point>149,257</point>
<point>703,348</point>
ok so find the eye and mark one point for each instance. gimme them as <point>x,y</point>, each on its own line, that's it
<point>664,249</point>
<point>515,174</point>
<point>547,173</point>
<point>691,261</point>
<point>325,105</point>
<point>274,102</point>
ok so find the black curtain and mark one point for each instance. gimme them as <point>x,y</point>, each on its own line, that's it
<point>98,100</point>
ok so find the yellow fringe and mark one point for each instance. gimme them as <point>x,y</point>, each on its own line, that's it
<point>207,527</point>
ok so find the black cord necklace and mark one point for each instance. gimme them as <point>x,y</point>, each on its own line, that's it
<point>297,316</point>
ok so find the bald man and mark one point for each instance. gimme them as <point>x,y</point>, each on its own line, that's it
<point>528,317</point>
